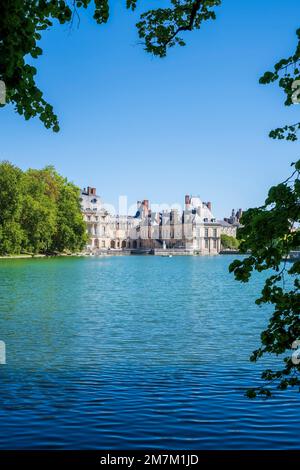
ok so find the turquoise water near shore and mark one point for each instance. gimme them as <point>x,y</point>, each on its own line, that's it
<point>134,352</point>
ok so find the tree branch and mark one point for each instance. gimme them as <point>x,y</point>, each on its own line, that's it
<point>194,10</point>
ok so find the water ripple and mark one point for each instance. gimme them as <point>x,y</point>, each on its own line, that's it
<point>133,353</point>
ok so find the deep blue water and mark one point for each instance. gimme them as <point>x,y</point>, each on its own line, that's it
<point>134,352</point>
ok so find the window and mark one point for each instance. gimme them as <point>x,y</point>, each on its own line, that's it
<point>206,243</point>
<point>215,232</point>
<point>215,243</point>
<point>103,243</point>
<point>94,201</point>
<point>206,232</point>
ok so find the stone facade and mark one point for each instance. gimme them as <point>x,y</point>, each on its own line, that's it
<point>191,231</point>
<point>106,231</point>
<point>230,224</point>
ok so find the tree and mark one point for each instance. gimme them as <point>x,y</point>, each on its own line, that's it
<point>11,183</point>
<point>71,229</point>
<point>229,242</point>
<point>23,21</point>
<point>271,233</point>
<point>287,74</point>
<point>39,212</point>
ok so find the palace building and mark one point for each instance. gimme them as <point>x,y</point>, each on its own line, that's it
<point>193,230</point>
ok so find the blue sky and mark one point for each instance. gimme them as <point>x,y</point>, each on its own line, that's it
<point>195,123</point>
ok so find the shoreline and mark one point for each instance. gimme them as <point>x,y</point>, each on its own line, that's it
<point>40,255</point>
<point>111,253</point>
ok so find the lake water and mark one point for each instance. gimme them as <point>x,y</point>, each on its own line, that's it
<point>134,352</point>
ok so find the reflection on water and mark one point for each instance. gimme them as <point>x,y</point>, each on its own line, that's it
<point>133,352</point>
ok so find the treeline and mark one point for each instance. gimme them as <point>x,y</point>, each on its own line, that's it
<point>39,212</point>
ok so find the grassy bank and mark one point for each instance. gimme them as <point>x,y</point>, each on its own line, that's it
<point>39,255</point>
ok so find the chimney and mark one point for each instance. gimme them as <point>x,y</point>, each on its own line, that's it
<point>91,191</point>
<point>209,205</point>
<point>187,200</point>
<point>146,206</point>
